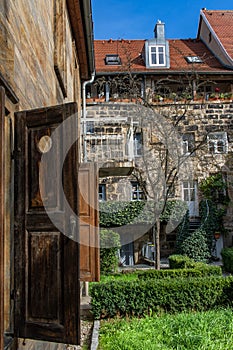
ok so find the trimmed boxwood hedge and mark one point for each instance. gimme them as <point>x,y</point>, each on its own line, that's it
<point>199,271</point>
<point>178,261</point>
<point>138,298</point>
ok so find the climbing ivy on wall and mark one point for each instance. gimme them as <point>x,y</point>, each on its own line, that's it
<point>198,244</point>
<point>113,214</point>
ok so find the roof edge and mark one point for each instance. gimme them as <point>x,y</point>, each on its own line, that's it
<point>80,14</point>
<point>204,18</point>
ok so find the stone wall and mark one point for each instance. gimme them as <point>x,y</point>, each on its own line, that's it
<point>198,118</point>
<point>39,68</point>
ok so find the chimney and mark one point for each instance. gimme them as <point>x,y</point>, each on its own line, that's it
<point>160,31</point>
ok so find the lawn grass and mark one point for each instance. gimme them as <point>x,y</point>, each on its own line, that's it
<point>211,330</point>
<point>129,276</point>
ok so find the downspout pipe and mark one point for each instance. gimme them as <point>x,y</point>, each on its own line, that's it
<point>84,115</point>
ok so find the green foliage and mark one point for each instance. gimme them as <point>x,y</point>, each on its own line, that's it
<point>117,213</point>
<point>120,276</point>
<point>182,232</point>
<point>214,188</point>
<point>195,246</point>
<point>194,270</point>
<point>198,244</point>
<point>201,270</point>
<point>227,258</point>
<point>138,298</point>
<point>177,261</point>
<point>109,245</point>
<point>212,219</point>
<point>200,330</point>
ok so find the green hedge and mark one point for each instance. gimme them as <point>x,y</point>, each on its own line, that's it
<point>138,298</point>
<point>177,261</point>
<point>115,213</point>
<point>227,258</point>
<point>109,245</point>
<point>199,271</point>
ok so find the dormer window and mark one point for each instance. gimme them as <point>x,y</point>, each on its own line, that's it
<point>112,60</point>
<point>157,55</point>
<point>193,59</point>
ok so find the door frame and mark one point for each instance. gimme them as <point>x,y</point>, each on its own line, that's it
<point>195,201</point>
<point>2,186</point>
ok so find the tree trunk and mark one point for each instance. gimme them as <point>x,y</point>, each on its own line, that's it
<point>157,244</point>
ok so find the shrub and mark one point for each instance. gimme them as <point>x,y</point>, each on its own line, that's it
<point>138,298</point>
<point>109,245</point>
<point>177,261</point>
<point>195,246</point>
<point>227,258</point>
<point>198,271</point>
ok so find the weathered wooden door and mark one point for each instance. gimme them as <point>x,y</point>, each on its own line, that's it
<point>88,215</point>
<point>46,258</point>
<point>2,122</point>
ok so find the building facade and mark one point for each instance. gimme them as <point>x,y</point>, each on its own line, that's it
<point>188,84</point>
<point>46,56</point>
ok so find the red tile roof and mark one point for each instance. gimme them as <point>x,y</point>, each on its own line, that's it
<point>131,53</point>
<point>221,22</point>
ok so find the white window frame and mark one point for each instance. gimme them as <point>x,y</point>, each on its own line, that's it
<point>137,140</point>
<point>217,140</point>
<point>102,192</point>
<point>157,54</point>
<point>188,144</point>
<point>137,191</point>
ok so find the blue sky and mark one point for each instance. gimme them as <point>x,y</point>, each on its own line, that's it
<point>135,19</point>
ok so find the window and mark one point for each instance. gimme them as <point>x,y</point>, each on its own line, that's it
<point>102,192</point>
<point>112,60</point>
<point>137,192</point>
<point>157,55</point>
<point>90,128</point>
<point>193,59</point>
<point>188,143</point>
<point>217,142</point>
<point>137,144</point>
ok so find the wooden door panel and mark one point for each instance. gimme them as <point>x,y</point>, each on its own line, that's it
<point>88,215</point>
<point>43,250</point>
<point>46,260</point>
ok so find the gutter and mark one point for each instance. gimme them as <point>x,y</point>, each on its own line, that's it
<point>86,8</point>
<point>84,115</point>
<point>183,72</point>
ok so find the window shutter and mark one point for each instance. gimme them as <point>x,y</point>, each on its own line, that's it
<point>89,221</point>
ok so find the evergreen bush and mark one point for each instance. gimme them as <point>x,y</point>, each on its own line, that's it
<point>177,261</point>
<point>227,258</point>
<point>195,246</point>
<point>109,245</point>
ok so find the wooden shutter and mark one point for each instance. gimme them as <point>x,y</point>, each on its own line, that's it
<point>47,285</point>
<point>88,214</point>
<point>2,122</point>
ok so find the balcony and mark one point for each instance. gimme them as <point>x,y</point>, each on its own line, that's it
<point>111,143</point>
